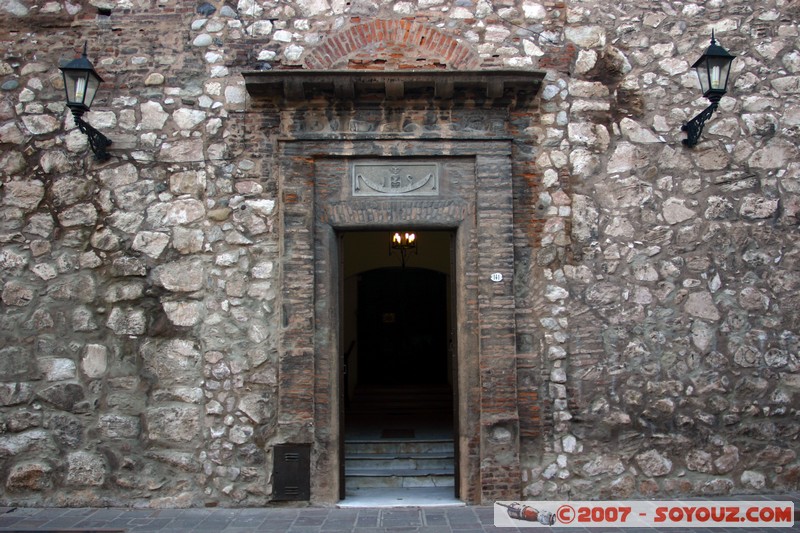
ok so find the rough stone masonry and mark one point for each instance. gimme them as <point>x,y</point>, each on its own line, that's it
<point>655,286</point>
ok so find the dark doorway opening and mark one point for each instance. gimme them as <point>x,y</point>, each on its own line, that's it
<point>402,327</point>
<point>399,358</point>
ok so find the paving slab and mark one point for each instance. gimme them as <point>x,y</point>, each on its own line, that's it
<point>442,519</point>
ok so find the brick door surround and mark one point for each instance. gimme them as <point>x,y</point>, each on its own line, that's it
<point>315,146</point>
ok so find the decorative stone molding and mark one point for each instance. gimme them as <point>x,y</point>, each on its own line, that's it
<point>399,86</point>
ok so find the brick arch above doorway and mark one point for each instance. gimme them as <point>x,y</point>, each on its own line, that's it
<point>391,45</point>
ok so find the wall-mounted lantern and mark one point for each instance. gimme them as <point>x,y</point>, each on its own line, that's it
<point>713,69</point>
<point>81,82</point>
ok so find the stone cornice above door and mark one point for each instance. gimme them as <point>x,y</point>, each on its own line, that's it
<point>500,87</point>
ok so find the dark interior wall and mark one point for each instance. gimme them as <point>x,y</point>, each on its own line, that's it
<point>368,251</point>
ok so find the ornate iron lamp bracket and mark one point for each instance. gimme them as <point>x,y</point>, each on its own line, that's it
<point>97,141</point>
<point>694,128</point>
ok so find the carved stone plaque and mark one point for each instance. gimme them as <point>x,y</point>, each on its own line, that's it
<point>395,179</point>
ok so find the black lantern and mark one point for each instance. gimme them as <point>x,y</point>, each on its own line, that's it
<point>81,82</point>
<point>713,70</point>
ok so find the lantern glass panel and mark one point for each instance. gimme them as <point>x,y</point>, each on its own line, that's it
<point>73,80</point>
<point>81,86</point>
<point>718,69</point>
<point>92,84</point>
<point>703,75</point>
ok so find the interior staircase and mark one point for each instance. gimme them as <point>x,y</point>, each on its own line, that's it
<point>399,437</point>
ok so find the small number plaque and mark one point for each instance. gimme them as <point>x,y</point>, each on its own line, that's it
<point>497,277</point>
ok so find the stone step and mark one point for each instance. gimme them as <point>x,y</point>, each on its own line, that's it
<point>398,446</point>
<point>378,479</point>
<point>391,463</point>
<point>400,472</point>
<point>399,463</point>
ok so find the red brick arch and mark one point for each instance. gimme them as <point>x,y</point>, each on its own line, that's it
<point>392,44</point>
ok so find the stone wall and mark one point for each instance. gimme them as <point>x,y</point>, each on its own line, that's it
<point>656,285</point>
<point>680,374</point>
<point>138,295</point>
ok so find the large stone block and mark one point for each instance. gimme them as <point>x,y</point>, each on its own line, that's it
<point>16,362</point>
<point>17,294</point>
<point>185,394</point>
<point>182,460</point>
<point>69,190</point>
<point>10,134</point>
<point>127,321</point>
<point>653,463</point>
<point>188,182</point>
<point>174,361</point>
<point>699,461</point>
<point>34,475</point>
<point>94,361</point>
<point>701,305</point>
<point>54,162</point>
<point>604,464</point>
<point>150,243</point>
<point>78,215</point>
<point>85,469</point>
<point>65,396</point>
<point>78,288</point>
<point>32,440</point>
<point>187,119</point>
<point>40,124</point>
<point>116,426</point>
<point>182,151</point>
<point>23,194</point>
<point>16,393</point>
<point>174,423</point>
<point>186,275</point>
<point>183,211</point>
<point>184,313</point>
<point>58,369</point>
<point>153,116</point>
<point>187,241</point>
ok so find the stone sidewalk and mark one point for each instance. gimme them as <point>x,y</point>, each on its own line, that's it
<point>466,519</point>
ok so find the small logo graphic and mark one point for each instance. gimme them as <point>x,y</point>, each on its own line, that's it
<point>518,511</point>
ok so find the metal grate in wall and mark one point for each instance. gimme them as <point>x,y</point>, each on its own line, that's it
<point>291,471</point>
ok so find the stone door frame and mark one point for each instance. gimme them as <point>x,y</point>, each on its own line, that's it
<point>314,208</point>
